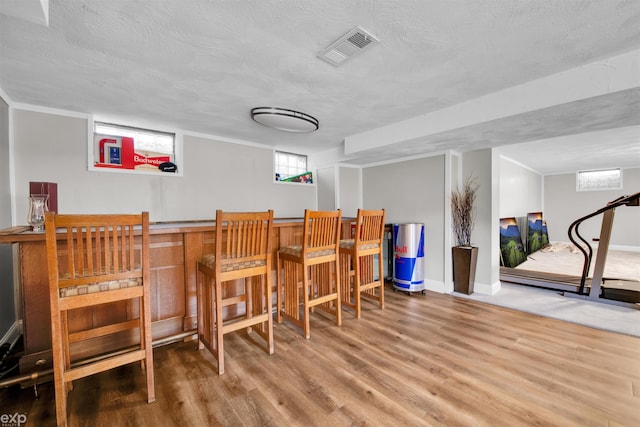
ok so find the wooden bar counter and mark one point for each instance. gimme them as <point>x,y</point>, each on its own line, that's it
<point>175,249</point>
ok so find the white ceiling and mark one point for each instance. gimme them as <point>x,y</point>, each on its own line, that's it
<point>201,66</point>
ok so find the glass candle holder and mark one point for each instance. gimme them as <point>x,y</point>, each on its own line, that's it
<point>37,208</point>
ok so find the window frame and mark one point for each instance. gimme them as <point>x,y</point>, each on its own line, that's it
<point>276,165</point>
<point>177,146</point>
<point>584,187</point>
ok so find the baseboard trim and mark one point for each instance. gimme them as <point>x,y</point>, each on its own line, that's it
<point>481,288</point>
<point>625,248</point>
<point>13,333</point>
<point>628,248</point>
<point>434,285</point>
<point>487,289</point>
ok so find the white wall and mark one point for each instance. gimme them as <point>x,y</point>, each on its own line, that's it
<point>7,309</point>
<point>349,190</point>
<point>563,205</point>
<point>413,191</point>
<point>326,182</point>
<point>520,193</point>
<point>520,189</point>
<point>484,167</point>
<point>217,175</point>
<point>5,186</point>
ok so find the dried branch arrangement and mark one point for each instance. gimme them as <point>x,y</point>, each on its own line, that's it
<point>463,211</point>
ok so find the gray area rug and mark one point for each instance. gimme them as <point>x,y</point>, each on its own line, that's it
<point>551,303</point>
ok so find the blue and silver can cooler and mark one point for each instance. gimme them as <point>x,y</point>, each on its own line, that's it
<point>408,244</point>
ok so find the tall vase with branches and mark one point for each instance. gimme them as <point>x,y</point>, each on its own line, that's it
<point>465,256</point>
<point>463,211</point>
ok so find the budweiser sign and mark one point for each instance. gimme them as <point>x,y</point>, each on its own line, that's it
<point>139,159</point>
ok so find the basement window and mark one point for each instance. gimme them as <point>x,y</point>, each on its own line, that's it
<point>121,148</point>
<point>291,167</point>
<point>597,180</point>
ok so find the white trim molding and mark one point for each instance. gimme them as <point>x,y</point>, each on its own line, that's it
<point>487,289</point>
<point>434,285</point>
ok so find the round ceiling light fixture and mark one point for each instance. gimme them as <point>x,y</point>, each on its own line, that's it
<point>284,119</point>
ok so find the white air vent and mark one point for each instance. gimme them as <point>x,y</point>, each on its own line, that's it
<point>347,46</point>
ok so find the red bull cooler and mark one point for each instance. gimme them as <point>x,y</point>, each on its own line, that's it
<point>408,244</point>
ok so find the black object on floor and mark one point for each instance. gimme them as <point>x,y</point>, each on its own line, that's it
<point>9,358</point>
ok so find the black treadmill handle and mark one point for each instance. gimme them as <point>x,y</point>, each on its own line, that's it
<point>630,200</point>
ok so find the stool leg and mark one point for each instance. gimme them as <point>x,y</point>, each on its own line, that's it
<point>58,370</point>
<point>64,320</point>
<point>356,284</point>
<point>381,278</point>
<point>145,308</point>
<point>199,307</point>
<point>219,333</point>
<point>306,288</point>
<point>278,289</point>
<point>249,306</point>
<point>267,297</point>
<point>338,297</point>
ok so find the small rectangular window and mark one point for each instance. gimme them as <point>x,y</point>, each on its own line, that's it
<point>132,149</point>
<point>291,167</point>
<point>609,179</point>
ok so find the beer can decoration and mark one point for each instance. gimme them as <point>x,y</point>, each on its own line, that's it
<point>408,271</point>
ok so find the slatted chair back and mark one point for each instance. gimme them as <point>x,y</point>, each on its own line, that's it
<point>99,249</point>
<point>321,235</point>
<point>243,243</point>
<point>369,229</point>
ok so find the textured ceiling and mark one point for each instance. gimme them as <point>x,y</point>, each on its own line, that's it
<point>201,66</point>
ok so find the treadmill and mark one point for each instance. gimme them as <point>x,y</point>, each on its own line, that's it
<point>597,288</point>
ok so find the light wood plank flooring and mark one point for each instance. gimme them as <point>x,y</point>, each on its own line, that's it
<point>425,360</point>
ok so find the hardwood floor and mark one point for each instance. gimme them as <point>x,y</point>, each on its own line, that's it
<point>424,360</point>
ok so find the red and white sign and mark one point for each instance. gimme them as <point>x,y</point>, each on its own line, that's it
<point>118,152</point>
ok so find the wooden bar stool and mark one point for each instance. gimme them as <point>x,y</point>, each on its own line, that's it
<point>242,252</point>
<point>100,259</point>
<point>309,275</point>
<point>357,261</point>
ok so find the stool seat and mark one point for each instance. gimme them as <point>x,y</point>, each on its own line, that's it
<point>209,261</point>
<point>296,251</point>
<point>92,288</point>
<point>350,243</point>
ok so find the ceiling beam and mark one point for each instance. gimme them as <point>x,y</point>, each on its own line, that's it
<point>618,74</point>
<point>36,11</point>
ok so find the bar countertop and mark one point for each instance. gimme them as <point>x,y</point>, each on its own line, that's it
<point>23,233</point>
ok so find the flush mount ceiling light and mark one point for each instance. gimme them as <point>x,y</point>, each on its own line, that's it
<point>284,119</point>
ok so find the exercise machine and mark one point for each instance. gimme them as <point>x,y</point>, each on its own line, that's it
<point>596,288</point>
<point>599,287</point>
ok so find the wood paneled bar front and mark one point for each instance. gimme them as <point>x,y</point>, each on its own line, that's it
<point>175,247</point>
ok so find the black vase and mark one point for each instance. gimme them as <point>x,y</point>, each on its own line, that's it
<point>465,259</point>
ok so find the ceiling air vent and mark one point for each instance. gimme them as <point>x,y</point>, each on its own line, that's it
<point>347,46</point>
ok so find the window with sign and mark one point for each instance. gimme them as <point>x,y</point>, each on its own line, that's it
<point>291,167</point>
<point>130,149</point>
